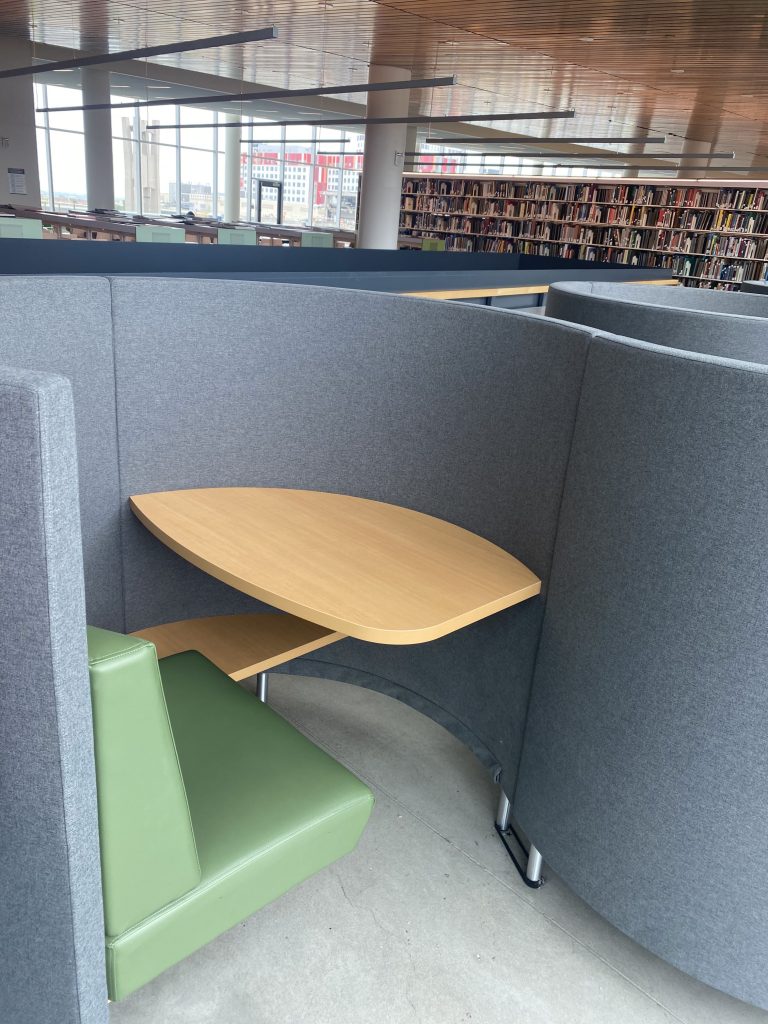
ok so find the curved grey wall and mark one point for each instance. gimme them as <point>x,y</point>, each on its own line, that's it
<point>644,778</point>
<point>461,412</point>
<point>716,323</point>
<point>703,300</point>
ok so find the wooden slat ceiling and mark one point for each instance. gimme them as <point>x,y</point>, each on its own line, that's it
<point>613,60</point>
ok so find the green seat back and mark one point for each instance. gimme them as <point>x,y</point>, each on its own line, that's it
<point>148,853</point>
<point>237,236</point>
<point>317,239</point>
<point>159,233</point>
<point>20,227</point>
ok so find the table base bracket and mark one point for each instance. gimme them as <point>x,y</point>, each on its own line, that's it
<point>509,836</point>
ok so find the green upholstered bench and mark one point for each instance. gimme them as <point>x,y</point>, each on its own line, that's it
<point>210,804</point>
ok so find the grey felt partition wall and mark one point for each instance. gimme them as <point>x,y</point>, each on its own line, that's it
<point>695,319</point>
<point>64,326</point>
<point>457,412</point>
<point>644,778</point>
<point>51,928</point>
<point>624,709</point>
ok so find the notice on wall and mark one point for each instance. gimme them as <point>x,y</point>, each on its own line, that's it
<point>17,181</point>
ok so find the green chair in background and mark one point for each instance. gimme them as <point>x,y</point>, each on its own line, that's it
<point>210,804</point>
<point>237,236</point>
<point>316,240</point>
<point>159,233</point>
<point>20,227</point>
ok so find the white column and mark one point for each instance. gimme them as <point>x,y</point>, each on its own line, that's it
<point>18,142</point>
<point>232,150</point>
<point>99,173</point>
<point>383,163</point>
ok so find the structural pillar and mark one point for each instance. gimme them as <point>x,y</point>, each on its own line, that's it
<point>97,125</point>
<point>385,145</point>
<point>18,143</point>
<point>232,151</point>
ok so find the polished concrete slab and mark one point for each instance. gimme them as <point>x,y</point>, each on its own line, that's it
<point>426,922</point>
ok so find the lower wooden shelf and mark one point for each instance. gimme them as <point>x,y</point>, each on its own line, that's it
<point>241,645</point>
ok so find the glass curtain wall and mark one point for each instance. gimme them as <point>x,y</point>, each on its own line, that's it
<point>318,170</point>
<point>60,147</point>
<point>175,170</point>
<point>436,159</point>
<point>156,172</point>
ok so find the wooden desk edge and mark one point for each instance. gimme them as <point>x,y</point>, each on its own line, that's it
<point>534,289</point>
<point>528,588</point>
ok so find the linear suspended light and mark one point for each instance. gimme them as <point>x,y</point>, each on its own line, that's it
<point>147,51</point>
<point>618,139</point>
<point>344,121</point>
<point>288,142</point>
<point>603,156</point>
<point>273,94</point>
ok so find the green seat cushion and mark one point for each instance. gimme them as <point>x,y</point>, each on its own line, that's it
<point>268,809</point>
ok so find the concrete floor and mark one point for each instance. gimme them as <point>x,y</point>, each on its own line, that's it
<point>426,922</point>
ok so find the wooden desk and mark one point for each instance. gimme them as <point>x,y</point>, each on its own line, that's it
<point>356,567</point>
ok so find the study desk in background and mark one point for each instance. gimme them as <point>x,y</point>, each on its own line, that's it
<point>340,567</point>
<point>116,226</point>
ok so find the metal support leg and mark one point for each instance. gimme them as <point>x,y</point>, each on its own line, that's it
<point>531,873</point>
<point>262,687</point>
<point>533,869</point>
<point>504,811</point>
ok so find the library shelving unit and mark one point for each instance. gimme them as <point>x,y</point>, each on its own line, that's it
<point>708,234</point>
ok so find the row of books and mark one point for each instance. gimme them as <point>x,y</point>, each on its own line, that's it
<point>721,220</point>
<point>688,197</point>
<point>621,237</point>
<point>639,216</point>
<point>714,269</point>
<point>700,265</point>
<point>741,248</point>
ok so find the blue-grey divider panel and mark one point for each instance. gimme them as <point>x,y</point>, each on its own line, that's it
<point>457,411</point>
<point>698,320</point>
<point>644,778</point>
<point>64,325</point>
<point>51,926</point>
<point>484,282</point>
<point>24,256</point>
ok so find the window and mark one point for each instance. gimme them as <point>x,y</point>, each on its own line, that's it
<point>60,151</point>
<point>172,170</point>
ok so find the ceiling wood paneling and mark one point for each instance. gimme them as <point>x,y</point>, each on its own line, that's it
<point>526,54</point>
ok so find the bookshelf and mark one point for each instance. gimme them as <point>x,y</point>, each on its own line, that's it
<point>707,234</point>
